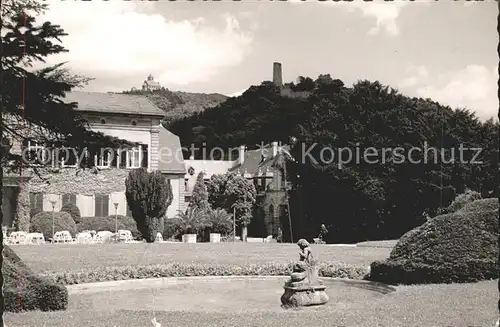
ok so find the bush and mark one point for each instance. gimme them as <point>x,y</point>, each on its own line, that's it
<point>462,199</point>
<point>173,228</point>
<point>42,223</point>
<point>34,212</point>
<point>337,270</point>
<point>26,291</point>
<point>72,209</point>
<point>108,223</point>
<point>457,247</point>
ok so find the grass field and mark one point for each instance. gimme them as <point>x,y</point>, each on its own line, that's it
<point>424,305</point>
<point>74,257</point>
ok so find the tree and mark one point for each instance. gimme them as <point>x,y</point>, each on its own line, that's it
<point>194,220</point>
<point>234,193</point>
<point>148,196</point>
<point>199,197</point>
<point>31,101</point>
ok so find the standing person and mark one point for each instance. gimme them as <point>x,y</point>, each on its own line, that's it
<point>323,232</point>
<point>279,237</point>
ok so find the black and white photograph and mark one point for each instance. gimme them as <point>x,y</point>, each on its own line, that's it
<point>248,163</point>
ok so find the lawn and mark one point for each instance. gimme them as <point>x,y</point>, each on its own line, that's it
<point>257,304</point>
<point>74,257</point>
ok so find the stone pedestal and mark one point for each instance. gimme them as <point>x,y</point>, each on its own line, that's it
<point>304,295</point>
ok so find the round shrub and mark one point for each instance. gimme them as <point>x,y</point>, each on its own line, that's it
<point>108,223</point>
<point>72,209</point>
<point>35,292</point>
<point>42,223</point>
<point>456,247</point>
<point>34,212</point>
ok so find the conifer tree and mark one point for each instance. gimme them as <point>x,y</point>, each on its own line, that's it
<point>33,100</point>
<point>148,196</point>
<point>199,197</point>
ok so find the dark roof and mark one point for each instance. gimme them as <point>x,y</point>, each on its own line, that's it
<point>256,160</point>
<point>113,103</point>
<point>170,158</point>
<point>151,82</point>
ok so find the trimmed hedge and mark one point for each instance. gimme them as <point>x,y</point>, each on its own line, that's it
<point>26,291</point>
<point>108,223</point>
<point>42,223</point>
<point>452,248</point>
<point>72,209</point>
<point>339,270</point>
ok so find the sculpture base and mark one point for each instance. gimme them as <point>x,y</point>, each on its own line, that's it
<point>304,295</point>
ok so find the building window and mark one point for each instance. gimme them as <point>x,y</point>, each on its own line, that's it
<point>36,202</point>
<point>144,162</point>
<point>68,199</point>
<point>101,205</point>
<point>123,154</point>
<point>103,159</point>
<point>68,157</point>
<point>36,154</point>
<point>186,184</point>
<point>134,157</point>
<point>187,199</point>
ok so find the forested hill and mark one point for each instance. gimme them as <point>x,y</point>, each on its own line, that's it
<point>357,199</point>
<point>178,104</point>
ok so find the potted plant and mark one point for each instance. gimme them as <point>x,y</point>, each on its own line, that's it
<point>220,224</point>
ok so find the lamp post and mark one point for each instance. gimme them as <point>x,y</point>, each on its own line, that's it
<point>116,218</point>
<point>234,223</point>
<point>53,202</point>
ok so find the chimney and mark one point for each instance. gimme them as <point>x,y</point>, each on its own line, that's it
<point>241,156</point>
<point>277,78</point>
<point>275,149</point>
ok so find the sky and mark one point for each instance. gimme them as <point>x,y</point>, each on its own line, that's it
<point>442,50</point>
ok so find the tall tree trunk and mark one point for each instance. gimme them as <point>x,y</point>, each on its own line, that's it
<point>244,232</point>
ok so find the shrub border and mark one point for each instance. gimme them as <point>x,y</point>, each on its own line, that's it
<point>174,269</point>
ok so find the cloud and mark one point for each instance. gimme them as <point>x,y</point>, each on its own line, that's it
<point>418,75</point>
<point>119,43</point>
<point>386,15</point>
<point>474,88</point>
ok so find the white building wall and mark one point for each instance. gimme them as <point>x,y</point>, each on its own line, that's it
<point>173,209</point>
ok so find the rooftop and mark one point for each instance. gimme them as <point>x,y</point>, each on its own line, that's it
<point>170,159</point>
<point>113,103</point>
<point>260,159</point>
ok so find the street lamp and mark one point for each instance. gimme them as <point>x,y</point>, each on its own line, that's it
<point>53,202</point>
<point>116,218</point>
<point>234,223</point>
